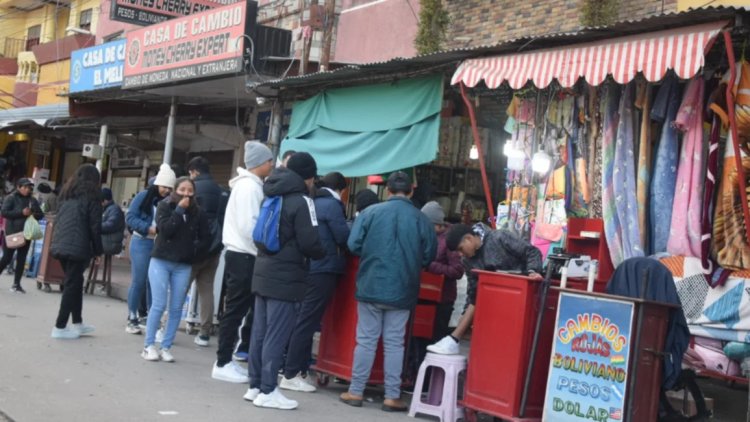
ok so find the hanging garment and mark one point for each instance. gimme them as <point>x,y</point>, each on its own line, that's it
<point>665,108</point>
<point>644,160</point>
<point>623,178</point>
<point>714,275</point>
<point>594,132</point>
<point>612,223</point>
<point>685,230</point>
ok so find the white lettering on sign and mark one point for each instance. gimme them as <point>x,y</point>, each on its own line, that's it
<point>217,21</point>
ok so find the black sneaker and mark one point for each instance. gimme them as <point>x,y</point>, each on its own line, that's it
<point>17,289</point>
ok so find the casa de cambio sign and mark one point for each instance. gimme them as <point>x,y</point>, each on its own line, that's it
<point>148,12</point>
<point>199,46</point>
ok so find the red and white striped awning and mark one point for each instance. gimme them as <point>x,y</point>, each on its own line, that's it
<point>681,49</point>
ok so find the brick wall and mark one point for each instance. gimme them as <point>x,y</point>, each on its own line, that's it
<point>483,22</point>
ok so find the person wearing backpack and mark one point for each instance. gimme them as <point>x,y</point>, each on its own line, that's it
<point>280,275</point>
<point>17,207</point>
<point>239,260</point>
<point>213,201</point>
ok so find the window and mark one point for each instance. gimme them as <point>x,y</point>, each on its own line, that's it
<point>84,19</point>
<point>32,36</point>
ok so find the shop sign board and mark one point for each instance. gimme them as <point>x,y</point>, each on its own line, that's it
<point>97,67</point>
<point>199,46</point>
<point>40,147</point>
<point>589,366</point>
<point>149,12</point>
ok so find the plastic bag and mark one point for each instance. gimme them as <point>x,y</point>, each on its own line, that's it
<point>31,229</point>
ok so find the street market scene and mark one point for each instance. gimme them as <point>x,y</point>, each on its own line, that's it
<point>476,210</point>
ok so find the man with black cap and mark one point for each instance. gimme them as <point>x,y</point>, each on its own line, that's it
<point>394,241</point>
<point>279,279</point>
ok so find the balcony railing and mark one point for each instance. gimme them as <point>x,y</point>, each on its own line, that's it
<point>10,47</point>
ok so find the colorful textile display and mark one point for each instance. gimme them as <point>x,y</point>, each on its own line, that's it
<point>714,275</point>
<point>612,223</point>
<point>643,102</point>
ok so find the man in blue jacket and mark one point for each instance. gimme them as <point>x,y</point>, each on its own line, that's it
<point>394,241</point>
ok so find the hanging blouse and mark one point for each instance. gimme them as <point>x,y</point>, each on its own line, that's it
<point>612,223</point>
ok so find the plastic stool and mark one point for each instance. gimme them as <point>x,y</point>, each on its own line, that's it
<point>442,397</point>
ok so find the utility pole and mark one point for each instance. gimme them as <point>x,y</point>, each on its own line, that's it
<point>329,24</point>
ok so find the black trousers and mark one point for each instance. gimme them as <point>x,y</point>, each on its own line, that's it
<point>238,301</point>
<point>20,261</point>
<point>319,292</point>
<point>71,303</point>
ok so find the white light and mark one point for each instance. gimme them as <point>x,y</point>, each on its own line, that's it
<point>10,132</point>
<point>507,148</point>
<point>541,162</point>
<point>473,153</point>
<point>516,159</point>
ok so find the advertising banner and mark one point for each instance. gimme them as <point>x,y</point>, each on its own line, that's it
<point>193,47</point>
<point>590,357</point>
<point>149,12</point>
<point>97,67</point>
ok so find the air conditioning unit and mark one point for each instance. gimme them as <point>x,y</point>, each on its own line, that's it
<point>93,151</point>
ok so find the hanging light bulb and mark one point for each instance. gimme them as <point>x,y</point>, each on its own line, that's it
<point>507,148</point>
<point>541,162</point>
<point>516,159</point>
<point>473,153</point>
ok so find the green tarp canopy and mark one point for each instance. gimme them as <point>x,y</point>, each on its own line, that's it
<point>370,129</point>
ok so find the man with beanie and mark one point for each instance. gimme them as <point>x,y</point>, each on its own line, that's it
<point>485,249</point>
<point>280,279</point>
<point>239,260</point>
<point>394,241</point>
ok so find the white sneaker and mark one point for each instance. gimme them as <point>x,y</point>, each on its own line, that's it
<point>149,353</point>
<point>231,372</point>
<point>159,338</point>
<point>252,394</point>
<point>446,346</point>
<point>201,340</point>
<point>275,400</point>
<point>83,329</point>
<point>166,355</point>
<point>65,333</point>
<point>296,384</point>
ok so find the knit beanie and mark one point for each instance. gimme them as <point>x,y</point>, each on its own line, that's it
<point>165,177</point>
<point>256,154</point>
<point>434,212</point>
<point>303,164</point>
<point>455,234</point>
<point>364,199</point>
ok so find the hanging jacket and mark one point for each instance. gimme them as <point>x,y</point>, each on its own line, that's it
<point>448,264</point>
<point>182,234</point>
<point>113,229</point>
<point>13,206</point>
<point>77,230</point>
<point>282,275</point>
<point>333,232</point>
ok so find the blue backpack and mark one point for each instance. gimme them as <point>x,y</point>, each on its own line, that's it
<point>266,231</point>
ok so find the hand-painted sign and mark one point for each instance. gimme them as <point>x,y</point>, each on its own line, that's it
<point>97,67</point>
<point>149,12</point>
<point>193,47</point>
<point>589,366</point>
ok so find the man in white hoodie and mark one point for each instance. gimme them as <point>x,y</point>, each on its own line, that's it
<point>239,261</point>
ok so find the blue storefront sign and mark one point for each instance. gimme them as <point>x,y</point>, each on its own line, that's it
<point>97,67</point>
<point>590,360</point>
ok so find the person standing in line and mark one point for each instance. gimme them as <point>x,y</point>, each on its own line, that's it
<point>17,207</point>
<point>76,238</point>
<point>286,156</point>
<point>212,200</point>
<point>141,221</point>
<point>183,234</point>
<point>322,279</point>
<point>394,241</point>
<point>113,224</point>
<point>280,279</point>
<point>239,260</point>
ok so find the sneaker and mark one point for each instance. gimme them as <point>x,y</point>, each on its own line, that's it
<point>446,346</point>
<point>231,372</point>
<point>83,329</point>
<point>17,289</point>
<point>150,353</point>
<point>133,328</point>
<point>201,341</point>
<point>252,394</point>
<point>275,400</point>
<point>240,356</point>
<point>159,338</point>
<point>65,333</point>
<point>166,355</point>
<point>142,322</point>
<point>296,384</point>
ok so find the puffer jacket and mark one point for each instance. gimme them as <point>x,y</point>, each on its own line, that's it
<point>395,240</point>
<point>113,229</point>
<point>77,232</point>
<point>13,206</point>
<point>181,234</point>
<point>448,264</point>
<point>137,219</point>
<point>333,231</point>
<point>283,275</point>
<point>212,199</point>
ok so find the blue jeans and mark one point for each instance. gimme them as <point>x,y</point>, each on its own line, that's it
<point>273,323</point>
<point>169,284</point>
<point>140,255</point>
<point>374,320</point>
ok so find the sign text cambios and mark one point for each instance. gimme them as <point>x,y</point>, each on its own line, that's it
<point>97,67</point>
<point>149,12</point>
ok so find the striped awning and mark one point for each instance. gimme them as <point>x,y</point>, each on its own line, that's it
<point>652,54</point>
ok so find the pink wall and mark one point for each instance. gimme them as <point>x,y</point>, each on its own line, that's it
<point>379,31</point>
<point>106,26</point>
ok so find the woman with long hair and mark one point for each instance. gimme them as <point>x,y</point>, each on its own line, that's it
<point>76,238</point>
<point>183,233</point>
<point>17,207</point>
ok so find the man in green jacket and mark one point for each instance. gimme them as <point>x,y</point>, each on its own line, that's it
<point>394,241</point>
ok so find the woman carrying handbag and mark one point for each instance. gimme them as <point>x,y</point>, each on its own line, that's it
<point>17,207</point>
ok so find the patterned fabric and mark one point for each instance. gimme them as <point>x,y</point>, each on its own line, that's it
<point>644,160</point>
<point>712,166</point>
<point>685,230</point>
<point>612,223</point>
<point>595,167</point>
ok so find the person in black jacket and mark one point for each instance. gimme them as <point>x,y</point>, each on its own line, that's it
<point>113,224</point>
<point>76,238</point>
<point>17,207</point>
<point>279,280</point>
<point>182,234</point>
